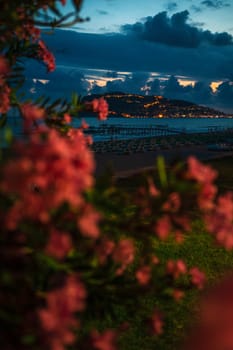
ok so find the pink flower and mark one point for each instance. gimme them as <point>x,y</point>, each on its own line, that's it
<point>173,203</point>
<point>219,221</point>
<point>60,167</point>
<point>206,196</point>
<point>31,114</point>
<point>178,294</point>
<point>100,106</point>
<point>88,222</point>
<point>58,319</point>
<point>4,66</point>
<point>124,254</point>
<point>67,118</point>
<point>155,260</point>
<point>156,323</point>
<point>104,341</point>
<point>143,275</point>
<point>59,244</point>
<point>163,227</point>
<point>4,98</point>
<point>199,172</point>
<point>153,191</point>
<point>176,268</point>
<point>198,278</point>
<point>46,56</point>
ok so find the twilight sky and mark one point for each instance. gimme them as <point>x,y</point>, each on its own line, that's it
<point>180,49</point>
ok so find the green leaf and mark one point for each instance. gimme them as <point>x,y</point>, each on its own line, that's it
<point>8,136</point>
<point>162,171</point>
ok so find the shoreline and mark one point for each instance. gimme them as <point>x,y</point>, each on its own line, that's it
<point>124,165</point>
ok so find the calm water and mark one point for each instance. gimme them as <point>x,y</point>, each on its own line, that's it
<point>189,125</point>
<point>123,128</point>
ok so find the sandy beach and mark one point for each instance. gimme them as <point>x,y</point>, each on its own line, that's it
<point>124,165</point>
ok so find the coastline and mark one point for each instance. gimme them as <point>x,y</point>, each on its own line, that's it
<point>124,165</point>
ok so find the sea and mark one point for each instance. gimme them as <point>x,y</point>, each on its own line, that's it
<point>127,128</point>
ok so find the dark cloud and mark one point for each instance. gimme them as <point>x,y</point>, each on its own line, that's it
<point>101,12</point>
<point>215,4</point>
<point>171,6</point>
<point>118,52</point>
<point>224,98</point>
<point>61,83</point>
<point>77,52</point>
<point>155,87</point>
<point>199,93</point>
<point>132,83</point>
<point>175,31</point>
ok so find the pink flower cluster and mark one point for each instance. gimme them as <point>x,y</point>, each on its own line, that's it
<point>58,244</point>
<point>46,56</point>
<point>46,173</point>
<point>218,213</point>
<point>220,220</point>
<point>177,268</point>
<point>104,341</point>
<point>204,175</point>
<point>156,323</point>
<point>99,106</point>
<point>58,319</point>
<point>122,252</point>
<point>31,115</point>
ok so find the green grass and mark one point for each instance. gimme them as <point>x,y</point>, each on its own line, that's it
<point>199,250</point>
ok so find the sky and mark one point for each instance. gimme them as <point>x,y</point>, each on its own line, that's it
<point>179,49</point>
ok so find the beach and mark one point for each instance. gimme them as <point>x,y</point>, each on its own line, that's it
<point>126,161</point>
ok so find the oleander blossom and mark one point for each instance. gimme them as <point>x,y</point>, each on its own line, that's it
<point>219,221</point>
<point>47,172</point>
<point>123,254</point>
<point>4,67</point>
<point>156,323</point>
<point>105,340</point>
<point>57,319</point>
<point>200,172</point>
<point>163,227</point>
<point>176,268</point>
<point>198,277</point>
<point>99,106</point>
<point>46,56</point>
<point>59,244</point>
<point>88,222</point>
<point>205,176</point>
<point>143,275</point>
<point>4,98</point>
<point>31,115</point>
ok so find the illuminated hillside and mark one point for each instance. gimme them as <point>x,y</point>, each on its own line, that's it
<point>138,106</point>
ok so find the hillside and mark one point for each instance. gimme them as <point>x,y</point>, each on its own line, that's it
<point>132,105</point>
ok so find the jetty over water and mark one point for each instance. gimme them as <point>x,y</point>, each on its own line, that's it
<point>127,130</point>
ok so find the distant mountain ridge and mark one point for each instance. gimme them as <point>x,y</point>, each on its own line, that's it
<point>140,106</point>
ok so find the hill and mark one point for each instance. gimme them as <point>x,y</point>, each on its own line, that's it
<point>139,106</point>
